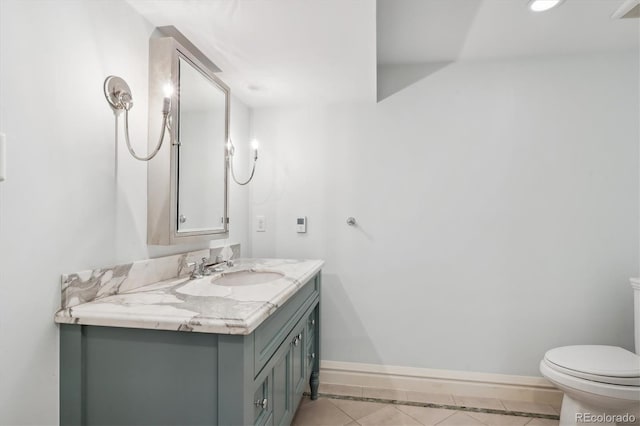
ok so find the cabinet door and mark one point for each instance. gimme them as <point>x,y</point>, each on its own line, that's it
<point>262,401</point>
<point>282,401</point>
<point>310,356</point>
<point>298,354</point>
<point>310,343</point>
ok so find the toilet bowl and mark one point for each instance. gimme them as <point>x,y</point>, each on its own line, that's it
<point>601,384</point>
<point>596,381</point>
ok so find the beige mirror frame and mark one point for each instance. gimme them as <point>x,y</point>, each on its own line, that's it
<point>166,46</point>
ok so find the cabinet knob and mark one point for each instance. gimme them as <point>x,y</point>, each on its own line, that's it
<point>262,403</point>
<point>313,322</point>
<point>312,355</point>
<point>296,340</point>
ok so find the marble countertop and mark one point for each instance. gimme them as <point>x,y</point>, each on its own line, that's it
<point>198,305</point>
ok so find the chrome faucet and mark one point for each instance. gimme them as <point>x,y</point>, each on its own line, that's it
<point>196,271</point>
<point>203,268</point>
<point>217,264</point>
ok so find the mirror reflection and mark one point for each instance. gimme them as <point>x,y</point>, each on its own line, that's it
<point>201,135</point>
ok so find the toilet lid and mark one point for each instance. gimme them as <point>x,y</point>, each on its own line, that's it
<point>606,364</point>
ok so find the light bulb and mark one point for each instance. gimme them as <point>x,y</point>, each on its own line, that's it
<point>254,145</point>
<point>167,89</point>
<point>542,5</point>
<point>166,102</point>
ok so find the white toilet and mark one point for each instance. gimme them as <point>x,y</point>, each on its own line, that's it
<point>601,384</point>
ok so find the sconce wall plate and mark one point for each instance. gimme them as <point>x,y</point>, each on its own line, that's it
<point>114,87</point>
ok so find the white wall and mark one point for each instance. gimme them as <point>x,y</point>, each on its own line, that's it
<point>239,218</point>
<point>497,205</point>
<point>71,201</point>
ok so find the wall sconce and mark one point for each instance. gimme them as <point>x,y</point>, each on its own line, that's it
<point>231,151</point>
<point>118,94</point>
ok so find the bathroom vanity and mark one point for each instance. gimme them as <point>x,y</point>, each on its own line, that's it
<point>234,348</point>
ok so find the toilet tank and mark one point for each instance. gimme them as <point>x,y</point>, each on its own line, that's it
<point>635,283</point>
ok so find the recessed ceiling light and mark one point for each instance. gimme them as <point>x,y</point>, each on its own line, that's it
<point>542,5</point>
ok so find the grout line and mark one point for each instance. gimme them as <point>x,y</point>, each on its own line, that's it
<point>423,423</point>
<point>471,417</point>
<point>407,414</point>
<point>503,404</point>
<point>445,406</point>
<point>345,413</point>
<point>455,400</point>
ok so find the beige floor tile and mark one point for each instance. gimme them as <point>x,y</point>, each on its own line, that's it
<point>434,398</point>
<point>357,409</point>
<point>353,423</point>
<point>476,402</point>
<point>460,419</point>
<point>305,400</point>
<point>398,395</point>
<point>320,412</point>
<point>345,390</point>
<point>528,407</point>
<point>543,422</point>
<point>388,416</point>
<point>499,419</point>
<point>425,415</point>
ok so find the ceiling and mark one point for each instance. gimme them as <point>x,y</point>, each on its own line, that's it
<point>275,52</point>
<point>419,31</point>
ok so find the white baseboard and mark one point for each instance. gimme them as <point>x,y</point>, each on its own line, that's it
<point>500,386</point>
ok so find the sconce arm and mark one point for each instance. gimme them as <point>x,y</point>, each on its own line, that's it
<point>230,152</point>
<point>158,146</point>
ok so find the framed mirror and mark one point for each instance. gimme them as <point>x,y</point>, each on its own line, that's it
<point>187,181</point>
<point>202,133</point>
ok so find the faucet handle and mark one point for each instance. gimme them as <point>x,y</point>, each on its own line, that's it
<point>194,273</point>
<point>203,269</point>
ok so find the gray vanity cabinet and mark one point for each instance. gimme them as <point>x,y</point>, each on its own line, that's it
<point>124,376</point>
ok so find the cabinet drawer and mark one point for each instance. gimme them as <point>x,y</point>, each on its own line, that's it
<point>271,334</point>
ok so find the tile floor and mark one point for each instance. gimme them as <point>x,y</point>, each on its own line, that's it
<point>341,405</point>
<point>345,412</point>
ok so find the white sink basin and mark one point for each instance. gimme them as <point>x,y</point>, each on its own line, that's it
<point>240,278</point>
